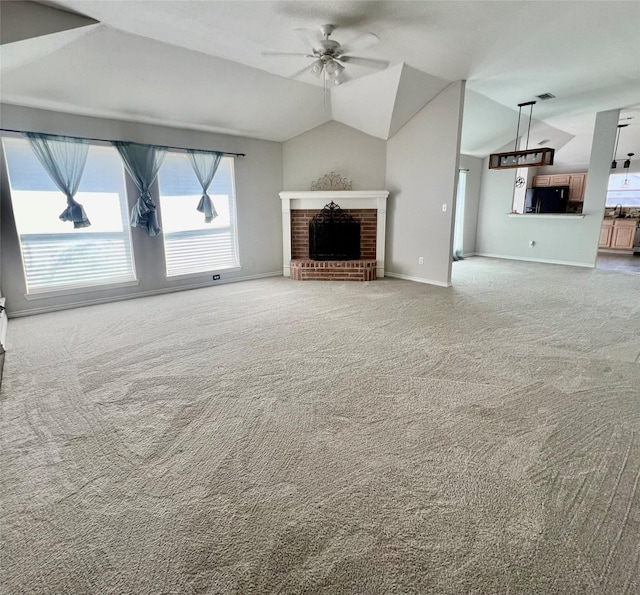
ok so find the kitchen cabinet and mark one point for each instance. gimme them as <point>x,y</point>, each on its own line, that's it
<point>618,234</point>
<point>541,181</point>
<point>561,180</point>
<point>576,183</point>
<point>624,233</point>
<point>576,187</point>
<point>606,231</point>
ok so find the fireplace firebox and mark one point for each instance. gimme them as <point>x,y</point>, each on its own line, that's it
<point>334,235</point>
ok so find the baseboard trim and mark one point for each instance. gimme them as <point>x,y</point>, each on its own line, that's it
<point>540,260</point>
<point>416,279</point>
<point>611,251</point>
<point>153,292</point>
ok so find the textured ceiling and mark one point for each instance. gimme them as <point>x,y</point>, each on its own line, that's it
<point>199,65</point>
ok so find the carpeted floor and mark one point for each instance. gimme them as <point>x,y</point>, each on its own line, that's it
<point>314,437</point>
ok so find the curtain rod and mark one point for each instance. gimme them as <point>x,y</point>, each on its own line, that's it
<point>107,140</point>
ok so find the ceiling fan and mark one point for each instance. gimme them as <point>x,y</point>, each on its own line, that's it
<point>330,57</point>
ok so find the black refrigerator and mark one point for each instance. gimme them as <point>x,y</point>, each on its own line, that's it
<point>547,200</point>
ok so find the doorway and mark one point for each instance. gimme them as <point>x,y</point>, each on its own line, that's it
<point>458,225</point>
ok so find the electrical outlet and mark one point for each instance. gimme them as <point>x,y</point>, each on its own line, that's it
<point>420,260</point>
<point>216,277</point>
<point>444,207</point>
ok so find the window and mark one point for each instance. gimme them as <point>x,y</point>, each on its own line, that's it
<point>624,189</point>
<point>56,256</point>
<point>190,244</point>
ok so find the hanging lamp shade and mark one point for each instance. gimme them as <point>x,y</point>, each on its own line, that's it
<point>317,68</point>
<point>334,68</point>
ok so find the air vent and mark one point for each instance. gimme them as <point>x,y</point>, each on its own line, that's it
<point>544,141</point>
<point>546,96</point>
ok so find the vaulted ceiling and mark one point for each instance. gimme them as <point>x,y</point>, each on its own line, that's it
<point>199,65</point>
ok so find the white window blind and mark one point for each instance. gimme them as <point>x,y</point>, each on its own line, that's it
<point>54,254</point>
<point>190,244</point>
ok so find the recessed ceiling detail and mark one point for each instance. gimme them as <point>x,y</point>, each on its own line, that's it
<point>400,93</point>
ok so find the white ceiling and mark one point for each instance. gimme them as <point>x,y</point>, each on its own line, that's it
<point>199,65</point>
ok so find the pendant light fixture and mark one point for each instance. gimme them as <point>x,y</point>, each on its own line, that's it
<point>627,165</point>
<point>614,163</point>
<point>526,158</point>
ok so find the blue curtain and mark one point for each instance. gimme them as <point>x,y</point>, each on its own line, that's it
<point>205,164</point>
<point>143,163</point>
<point>64,159</point>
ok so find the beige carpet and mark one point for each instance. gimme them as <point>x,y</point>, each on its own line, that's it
<point>308,437</point>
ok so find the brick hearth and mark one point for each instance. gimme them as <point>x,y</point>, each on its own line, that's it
<point>304,269</point>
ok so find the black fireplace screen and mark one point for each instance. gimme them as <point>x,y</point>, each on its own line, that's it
<point>334,235</point>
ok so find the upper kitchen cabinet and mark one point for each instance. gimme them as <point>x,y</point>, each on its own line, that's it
<point>576,183</point>
<point>541,181</point>
<point>576,186</point>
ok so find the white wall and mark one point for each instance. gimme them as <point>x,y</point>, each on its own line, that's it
<point>556,240</point>
<point>559,239</point>
<point>578,168</point>
<point>258,181</point>
<point>422,172</point>
<point>471,202</point>
<point>334,147</point>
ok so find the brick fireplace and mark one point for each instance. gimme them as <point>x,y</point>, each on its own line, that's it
<point>369,207</point>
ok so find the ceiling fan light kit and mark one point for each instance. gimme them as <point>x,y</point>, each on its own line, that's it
<point>519,158</point>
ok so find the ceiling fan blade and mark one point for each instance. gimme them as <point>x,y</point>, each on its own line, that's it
<point>267,53</point>
<point>360,42</point>
<point>301,72</point>
<point>309,37</point>
<point>370,62</point>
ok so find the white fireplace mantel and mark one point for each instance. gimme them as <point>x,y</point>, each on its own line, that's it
<point>347,199</point>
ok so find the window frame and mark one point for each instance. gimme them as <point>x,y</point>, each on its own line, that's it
<point>233,222</point>
<point>85,285</point>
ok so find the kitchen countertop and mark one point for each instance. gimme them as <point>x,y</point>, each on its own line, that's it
<point>636,219</point>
